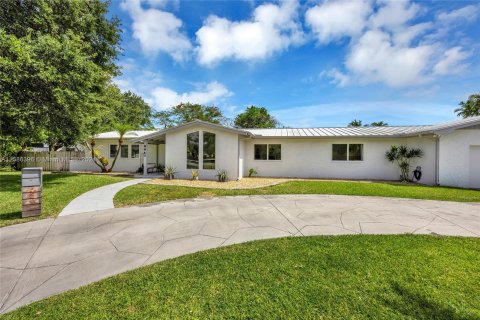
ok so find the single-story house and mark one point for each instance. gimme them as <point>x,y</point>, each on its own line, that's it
<point>451,151</point>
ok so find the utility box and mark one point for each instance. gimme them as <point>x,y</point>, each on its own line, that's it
<point>31,192</point>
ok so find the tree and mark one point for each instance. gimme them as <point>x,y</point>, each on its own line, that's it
<point>255,117</point>
<point>470,108</point>
<point>355,123</point>
<point>57,57</point>
<point>378,124</point>
<point>187,112</point>
<point>358,123</point>
<point>403,155</point>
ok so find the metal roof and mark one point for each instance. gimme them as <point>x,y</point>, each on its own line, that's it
<point>128,135</point>
<point>335,132</point>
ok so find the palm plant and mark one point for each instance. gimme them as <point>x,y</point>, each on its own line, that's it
<point>471,108</point>
<point>170,172</point>
<point>402,155</point>
<point>121,129</point>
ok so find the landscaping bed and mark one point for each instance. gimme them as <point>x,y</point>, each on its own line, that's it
<point>340,277</point>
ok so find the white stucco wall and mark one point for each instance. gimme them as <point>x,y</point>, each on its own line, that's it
<point>123,164</point>
<point>226,149</point>
<point>455,159</point>
<point>312,158</point>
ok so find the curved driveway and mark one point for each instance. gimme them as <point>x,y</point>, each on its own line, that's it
<point>46,257</point>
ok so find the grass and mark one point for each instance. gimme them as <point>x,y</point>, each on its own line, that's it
<point>58,190</point>
<point>342,277</point>
<point>146,193</point>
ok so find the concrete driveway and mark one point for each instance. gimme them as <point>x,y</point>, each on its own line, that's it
<point>43,258</point>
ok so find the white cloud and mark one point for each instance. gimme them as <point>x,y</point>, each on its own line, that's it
<point>394,14</point>
<point>466,14</point>
<point>385,46</point>
<point>158,31</point>
<point>451,62</point>
<point>272,28</point>
<point>333,20</point>
<point>206,94</point>
<point>375,58</point>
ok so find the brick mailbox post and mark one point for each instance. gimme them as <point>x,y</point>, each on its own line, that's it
<point>31,192</point>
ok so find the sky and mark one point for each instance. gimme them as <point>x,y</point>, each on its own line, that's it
<point>310,63</point>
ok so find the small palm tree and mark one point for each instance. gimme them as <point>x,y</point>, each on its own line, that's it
<point>121,129</point>
<point>355,123</point>
<point>403,155</point>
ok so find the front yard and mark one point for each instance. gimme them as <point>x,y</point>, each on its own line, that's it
<point>147,193</point>
<point>336,277</point>
<point>58,190</point>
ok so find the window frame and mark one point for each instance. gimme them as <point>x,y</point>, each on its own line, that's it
<point>124,146</point>
<point>268,152</point>
<point>362,148</point>
<point>189,167</point>
<point>131,151</point>
<point>110,150</point>
<point>214,150</point>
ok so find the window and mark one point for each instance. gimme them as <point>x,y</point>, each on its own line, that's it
<point>135,151</point>
<point>274,152</point>
<point>350,152</point>
<point>124,151</point>
<point>268,151</point>
<point>192,150</point>
<point>260,151</point>
<point>339,152</point>
<point>113,150</point>
<point>208,150</point>
<point>355,152</point>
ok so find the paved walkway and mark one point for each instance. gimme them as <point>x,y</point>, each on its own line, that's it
<point>46,257</point>
<point>97,199</point>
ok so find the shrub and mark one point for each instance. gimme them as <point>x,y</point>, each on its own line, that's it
<point>252,172</point>
<point>222,175</point>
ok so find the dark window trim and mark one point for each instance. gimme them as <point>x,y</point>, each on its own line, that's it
<point>110,150</point>
<point>348,152</point>
<point>268,152</point>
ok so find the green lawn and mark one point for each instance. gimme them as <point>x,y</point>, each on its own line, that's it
<point>58,190</point>
<point>145,193</point>
<point>340,277</point>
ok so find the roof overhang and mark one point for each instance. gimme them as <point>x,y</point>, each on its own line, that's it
<point>161,133</point>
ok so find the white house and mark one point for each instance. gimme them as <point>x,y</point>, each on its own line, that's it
<point>451,151</point>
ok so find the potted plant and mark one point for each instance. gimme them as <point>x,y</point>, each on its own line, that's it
<point>222,175</point>
<point>170,172</point>
<point>194,174</point>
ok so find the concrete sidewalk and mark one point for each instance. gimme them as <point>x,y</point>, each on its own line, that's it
<point>46,257</point>
<point>97,199</point>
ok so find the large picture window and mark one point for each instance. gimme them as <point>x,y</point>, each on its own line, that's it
<point>260,151</point>
<point>267,152</point>
<point>192,150</point>
<point>124,151</point>
<point>208,150</point>
<point>135,151</point>
<point>347,152</point>
<point>113,150</point>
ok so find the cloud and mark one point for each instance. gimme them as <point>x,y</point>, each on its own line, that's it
<point>451,62</point>
<point>375,58</point>
<point>385,46</point>
<point>272,28</point>
<point>466,14</point>
<point>158,31</point>
<point>330,21</point>
<point>209,93</point>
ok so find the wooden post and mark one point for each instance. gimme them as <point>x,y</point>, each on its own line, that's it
<point>31,192</point>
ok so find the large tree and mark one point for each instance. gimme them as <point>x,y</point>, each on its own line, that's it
<point>255,117</point>
<point>57,57</point>
<point>187,112</point>
<point>470,108</point>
